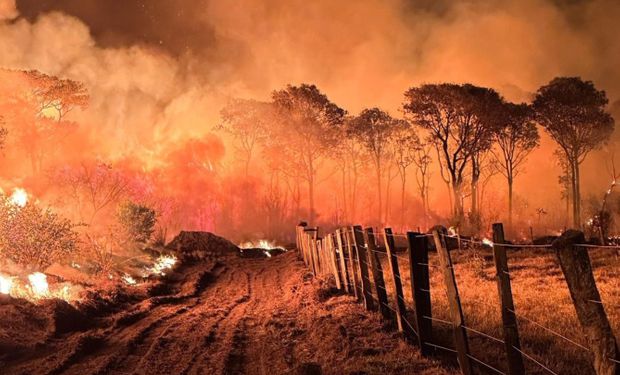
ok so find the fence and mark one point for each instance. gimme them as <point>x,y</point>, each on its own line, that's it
<point>353,257</point>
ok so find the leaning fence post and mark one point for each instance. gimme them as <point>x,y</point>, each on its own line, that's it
<point>353,274</point>
<point>509,319</point>
<point>421,289</point>
<point>343,262</point>
<point>401,309</point>
<point>360,247</point>
<point>577,270</point>
<point>460,335</point>
<point>377,273</point>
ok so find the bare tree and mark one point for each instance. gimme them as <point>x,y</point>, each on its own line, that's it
<point>515,137</point>
<point>422,159</point>
<point>405,143</point>
<point>573,112</point>
<point>307,122</point>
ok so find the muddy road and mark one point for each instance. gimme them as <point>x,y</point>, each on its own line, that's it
<point>233,316</point>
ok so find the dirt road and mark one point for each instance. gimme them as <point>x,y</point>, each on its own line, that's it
<point>236,316</point>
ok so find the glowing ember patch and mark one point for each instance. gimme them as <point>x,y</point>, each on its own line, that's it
<point>38,284</point>
<point>19,197</point>
<point>487,242</point>
<point>452,231</point>
<point>163,263</point>
<point>6,283</point>
<point>129,280</point>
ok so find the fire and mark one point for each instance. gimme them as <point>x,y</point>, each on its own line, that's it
<point>487,242</point>
<point>38,284</point>
<point>163,263</point>
<point>260,244</point>
<point>129,280</point>
<point>6,283</point>
<point>19,197</point>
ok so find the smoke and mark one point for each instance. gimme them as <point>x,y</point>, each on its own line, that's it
<point>162,76</point>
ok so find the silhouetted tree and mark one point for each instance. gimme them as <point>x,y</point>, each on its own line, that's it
<point>422,159</point>
<point>573,112</point>
<point>375,129</point>
<point>56,94</point>
<point>457,120</point>
<point>515,137</point>
<point>405,143</point>
<point>307,122</point>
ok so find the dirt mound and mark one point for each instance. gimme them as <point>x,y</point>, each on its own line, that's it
<point>201,245</point>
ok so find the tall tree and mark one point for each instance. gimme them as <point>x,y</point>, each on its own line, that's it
<point>246,121</point>
<point>573,112</point>
<point>422,160</point>
<point>515,137</point>
<point>374,129</point>
<point>405,143</point>
<point>458,125</point>
<point>307,121</point>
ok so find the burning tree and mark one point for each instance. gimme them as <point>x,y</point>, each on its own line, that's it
<point>573,112</point>
<point>32,237</point>
<point>137,221</point>
<point>515,137</point>
<point>306,131</point>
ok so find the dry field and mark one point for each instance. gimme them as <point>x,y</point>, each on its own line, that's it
<point>542,303</point>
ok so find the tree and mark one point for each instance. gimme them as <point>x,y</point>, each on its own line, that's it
<point>306,131</point>
<point>350,155</point>
<point>515,137</point>
<point>137,221</point>
<point>573,112</point>
<point>422,159</point>
<point>56,97</point>
<point>246,121</point>
<point>405,145</point>
<point>457,118</point>
<point>374,129</point>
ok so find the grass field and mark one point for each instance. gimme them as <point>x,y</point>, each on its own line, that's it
<point>541,299</point>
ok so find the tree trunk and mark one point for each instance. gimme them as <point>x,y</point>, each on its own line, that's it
<point>402,201</point>
<point>379,192</point>
<point>577,197</point>
<point>344,193</point>
<point>458,202</point>
<point>510,182</point>
<point>475,176</point>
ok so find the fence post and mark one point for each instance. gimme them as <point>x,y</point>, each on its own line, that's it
<point>343,262</point>
<point>460,335</point>
<point>377,273</point>
<point>358,236</point>
<point>353,274</point>
<point>509,319</point>
<point>577,270</point>
<point>333,257</point>
<point>401,310</point>
<point>421,289</point>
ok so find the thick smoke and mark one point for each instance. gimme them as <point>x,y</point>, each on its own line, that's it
<point>150,92</point>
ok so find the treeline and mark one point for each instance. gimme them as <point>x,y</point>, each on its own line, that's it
<point>469,133</point>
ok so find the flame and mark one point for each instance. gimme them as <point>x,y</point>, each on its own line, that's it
<point>260,244</point>
<point>19,197</point>
<point>487,242</point>
<point>129,280</point>
<point>6,283</point>
<point>164,262</point>
<point>38,284</point>
<point>452,231</point>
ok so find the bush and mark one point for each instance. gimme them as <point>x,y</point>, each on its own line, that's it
<point>137,221</point>
<point>34,238</point>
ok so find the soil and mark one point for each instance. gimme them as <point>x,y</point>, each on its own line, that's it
<point>227,316</point>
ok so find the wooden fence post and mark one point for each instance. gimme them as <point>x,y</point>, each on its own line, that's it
<point>377,273</point>
<point>333,257</point>
<point>577,270</point>
<point>509,319</point>
<point>421,289</point>
<point>353,274</point>
<point>456,312</point>
<point>343,261</point>
<point>401,309</point>
<point>362,257</point>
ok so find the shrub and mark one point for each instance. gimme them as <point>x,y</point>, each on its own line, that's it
<point>136,221</point>
<point>32,237</point>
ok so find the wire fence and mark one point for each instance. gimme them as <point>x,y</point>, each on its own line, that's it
<point>372,280</point>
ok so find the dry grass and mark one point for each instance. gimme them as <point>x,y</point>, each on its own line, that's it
<point>540,295</point>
